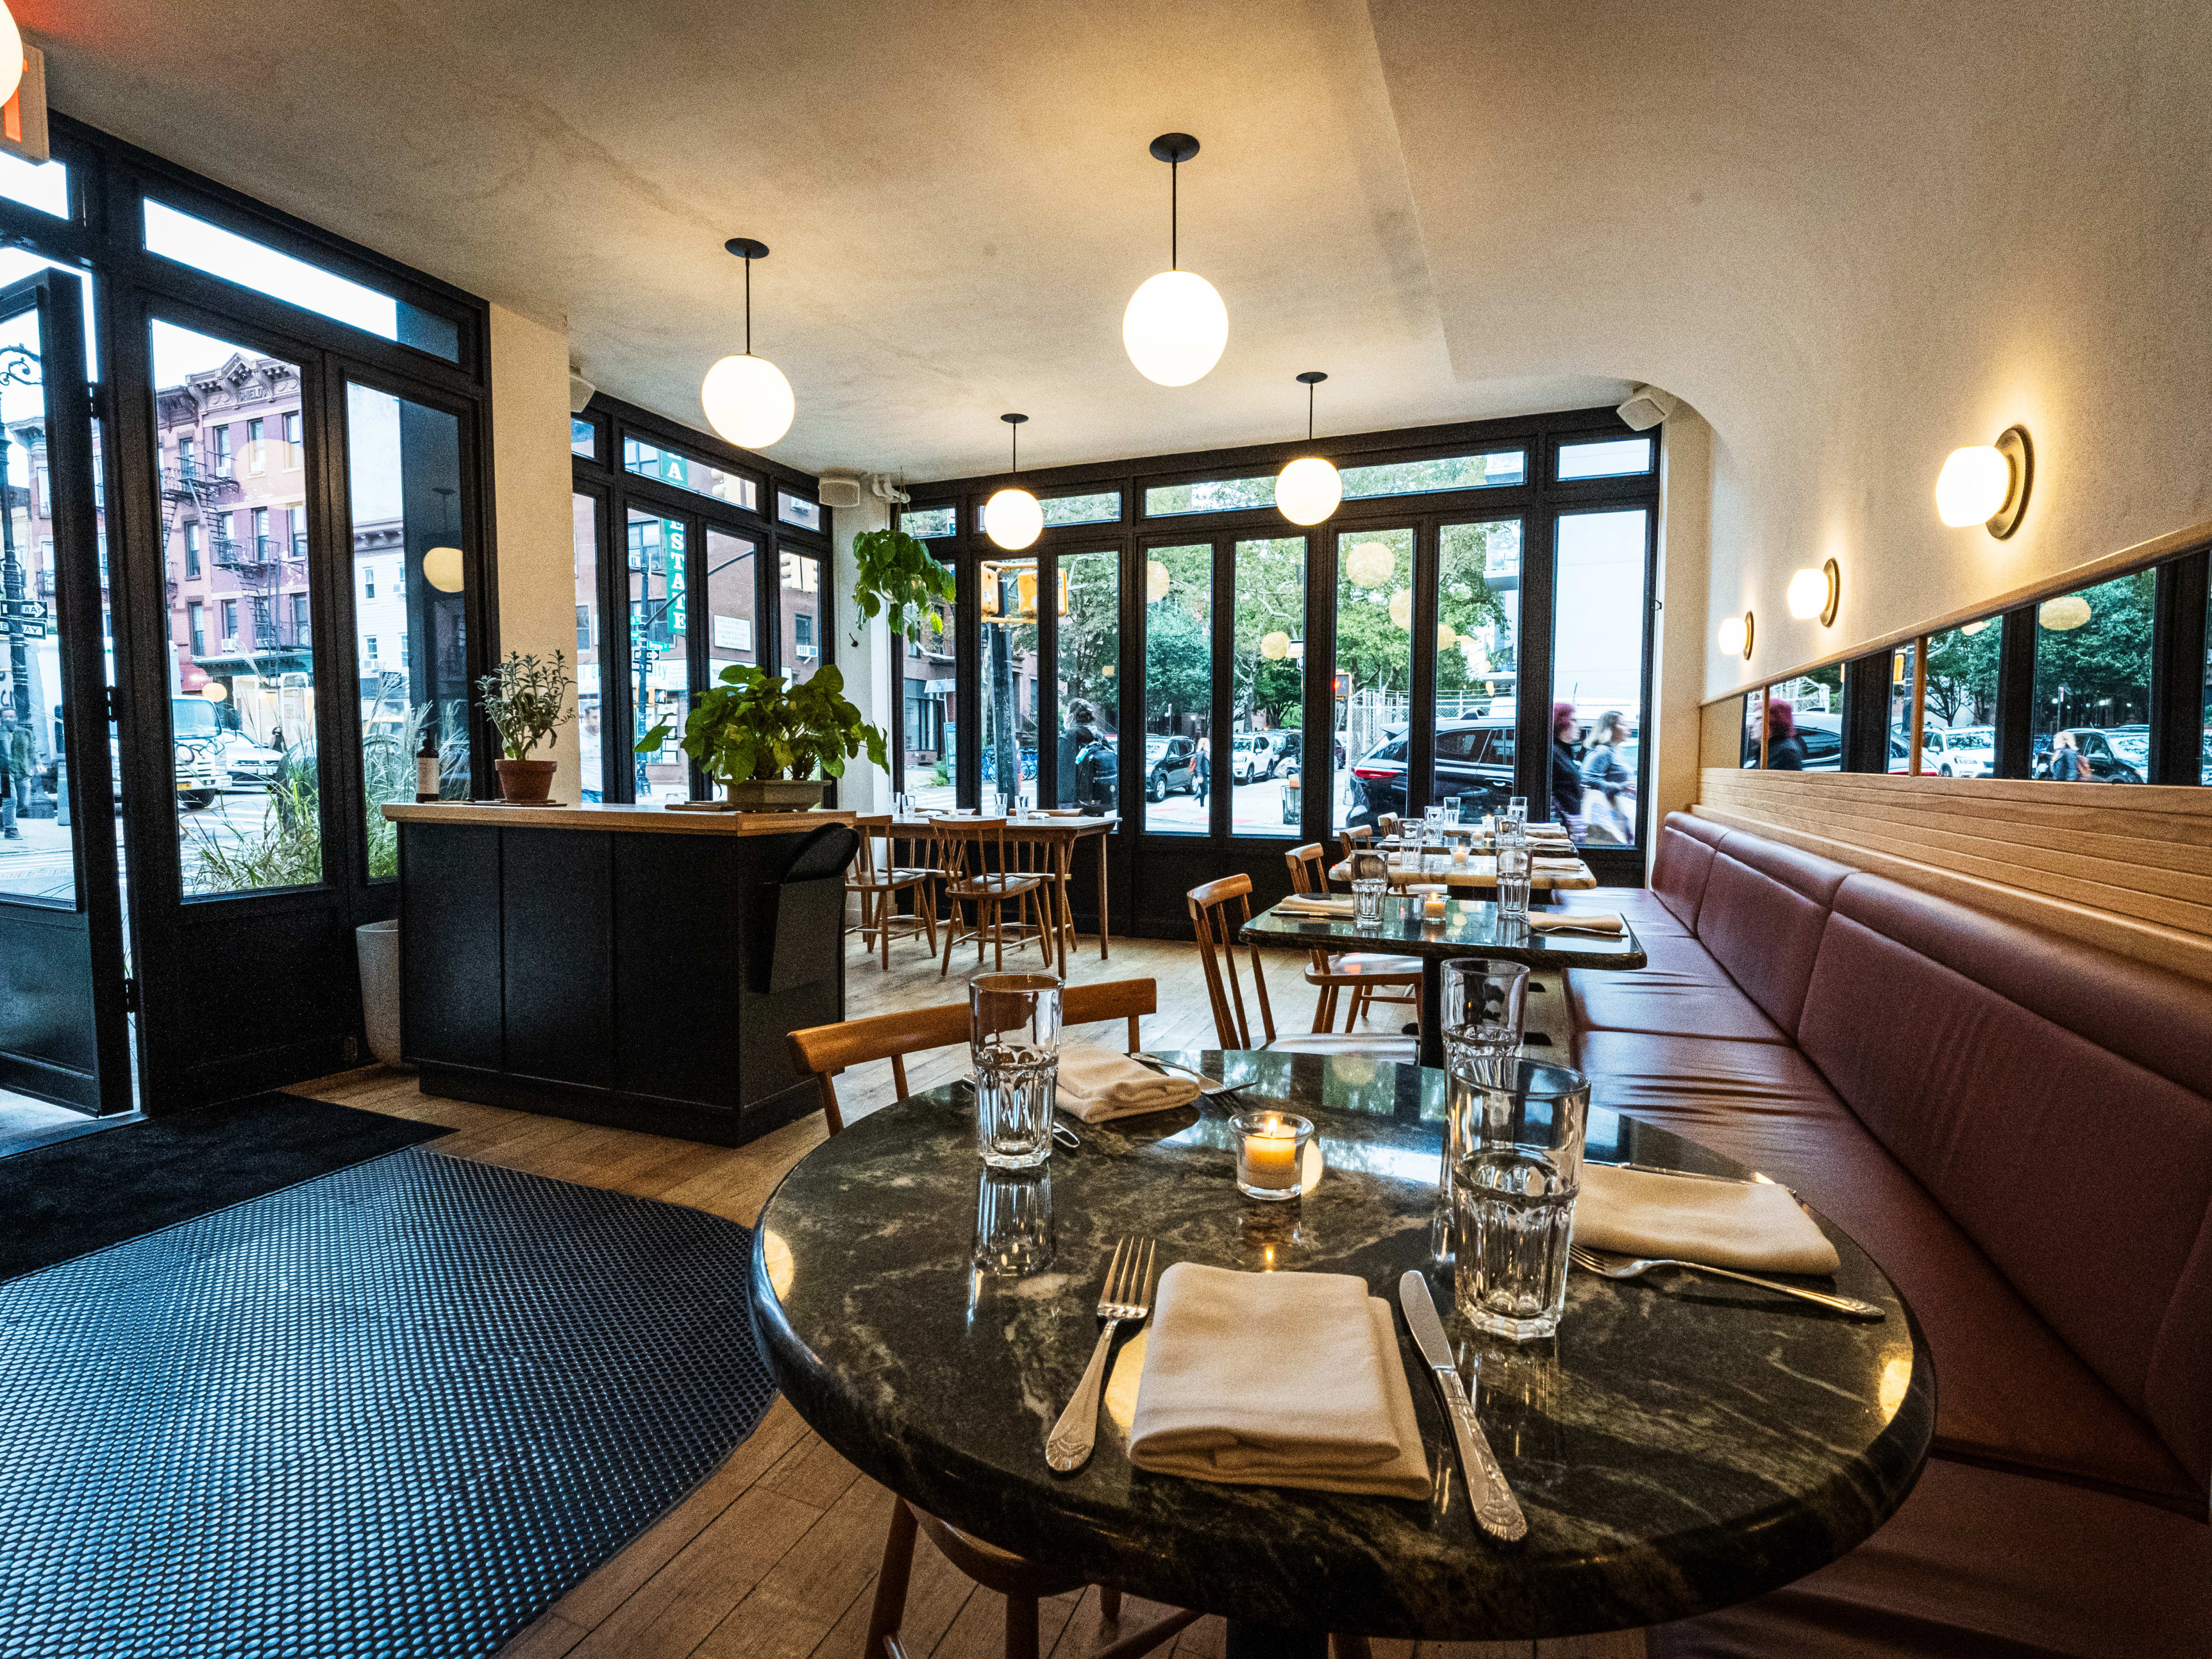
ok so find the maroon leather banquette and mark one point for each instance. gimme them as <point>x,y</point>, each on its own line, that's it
<point>2018,1129</point>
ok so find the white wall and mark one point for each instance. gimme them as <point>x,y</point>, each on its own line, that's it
<point>1678,675</point>
<point>870,682</point>
<point>531,478</point>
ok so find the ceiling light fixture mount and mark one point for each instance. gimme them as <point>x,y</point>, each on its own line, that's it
<point>1175,327</point>
<point>1736,635</point>
<point>1012,519</point>
<point>1988,484</point>
<point>746,398</point>
<point>1308,489</point>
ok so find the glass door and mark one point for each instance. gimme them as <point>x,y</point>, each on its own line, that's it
<point>63,1035</point>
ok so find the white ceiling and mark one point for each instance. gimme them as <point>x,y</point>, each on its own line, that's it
<point>957,197</point>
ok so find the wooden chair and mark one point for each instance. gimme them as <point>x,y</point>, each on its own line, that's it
<point>1218,911</point>
<point>980,872</point>
<point>1359,839</point>
<point>879,889</point>
<point>1388,824</point>
<point>1364,973</point>
<point>824,1051</point>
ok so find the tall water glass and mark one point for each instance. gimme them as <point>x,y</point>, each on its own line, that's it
<point>1515,1186</point>
<point>1367,895</point>
<point>1515,866</point>
<point>1517,809</point>
<point>1013,1038</point>
<point>1481,1007</point>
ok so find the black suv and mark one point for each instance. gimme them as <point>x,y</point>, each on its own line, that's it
<point>1474,766</point>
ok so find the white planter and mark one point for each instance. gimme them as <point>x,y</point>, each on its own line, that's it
<point>378,944</point>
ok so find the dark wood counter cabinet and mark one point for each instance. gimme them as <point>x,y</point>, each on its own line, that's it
<point>620,965</point>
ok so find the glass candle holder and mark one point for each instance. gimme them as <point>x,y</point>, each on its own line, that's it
<point>1271,1152</point>
<point>1431,896</point>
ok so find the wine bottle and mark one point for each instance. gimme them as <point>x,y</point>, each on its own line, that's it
<point>426,764</point>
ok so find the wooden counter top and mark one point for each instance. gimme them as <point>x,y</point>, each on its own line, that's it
<point>614,815</point>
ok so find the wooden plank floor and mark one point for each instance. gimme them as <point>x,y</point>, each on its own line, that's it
<point>775,1554</point>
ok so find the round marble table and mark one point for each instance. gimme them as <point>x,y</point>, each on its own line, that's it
<point>1682,1445</point>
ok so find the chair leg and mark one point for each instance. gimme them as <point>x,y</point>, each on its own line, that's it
<point>883,911</point>
<point>1047,928</point>
<point>1021,1627</point>
<point>998,938</point>
<point>951,937</point>
<point>1110,1605</point>
<point>924,905</point>
<point>891,1581</point>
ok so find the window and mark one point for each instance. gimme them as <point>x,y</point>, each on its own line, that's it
<point>192,550</point>
<point>1090,698</point>
<point>184,455</point>
<point>927,522</point>
<point>263,550</point>
<point>220,436</point>
<point>256,456</point>
<point>584,540</point>
<point>802,614</point>
<point>1176,770</point>
<point>197,631</point>
<point>733,599</point>
<point>1103,508</point>
<point>295,452</point>
<point>1807,715</point>
<point>1374,675</point>
<point>2092,666</point>
<point>1487,471</point>
<point>1754,711</point>
<point>583,437</point>
<point>300,625</point>
<point>1478,650</point>
<point>299,517</point>
<point>1958,733</point>
<point>40,185</point>
<point>660,652</point>
<point>404,483</point>
<point>672,467</point>
<point>204,246</point>
<point>1008,658</point>
<point>1212,496</point>
<point>1267,690</point>
<point>797,509</point>
<point>1597,671</point>
<point>1900,709</point>
<point>230,624</point>
<point>1612,458</point>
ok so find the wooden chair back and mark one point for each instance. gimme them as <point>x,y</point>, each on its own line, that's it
<point>1389,824</point>
<point>825,1050</point>
<point>864,870</point>
<point>1309,868</point>
<point>1354,840</point>
<point>1218,911</point>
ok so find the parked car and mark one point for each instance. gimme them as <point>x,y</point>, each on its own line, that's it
<point>1170,768</point>
<point>199,776</point>
<point>2119,755</point>
<point>1969,751</point>
<point>248,764</point>
<point>1251,756</point>
<point>1474,766</point>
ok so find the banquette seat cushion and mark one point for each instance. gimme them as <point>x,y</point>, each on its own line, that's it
<point>2019,1129</point>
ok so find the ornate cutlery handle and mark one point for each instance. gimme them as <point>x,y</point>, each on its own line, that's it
<point>1496,1511</point>
<point>1068,1448</point>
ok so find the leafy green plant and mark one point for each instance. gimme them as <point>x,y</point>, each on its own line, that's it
<point>388,774</point>
<point>751,725</point>
<point>286,851</point>
<point>526,699</point>
<point>898,577</point>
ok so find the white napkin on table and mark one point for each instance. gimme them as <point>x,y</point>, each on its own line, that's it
<point>1283,1379</point>
<point>1752,1225</point>
<point>1318,904</point>
<point>1097,1084</point>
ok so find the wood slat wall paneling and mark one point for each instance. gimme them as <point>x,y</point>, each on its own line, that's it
<point>2128,868</point>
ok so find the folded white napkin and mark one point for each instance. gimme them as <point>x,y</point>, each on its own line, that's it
<point>1583,921</point>
<point>1318,904</point>
<point>1749,1225</point>
<point>1276,1380</point>
<point>1097,1084</point>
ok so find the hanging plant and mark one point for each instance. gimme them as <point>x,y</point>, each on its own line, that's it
<point>900,579</point>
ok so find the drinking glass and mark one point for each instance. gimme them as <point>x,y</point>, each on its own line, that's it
<point>1367,893</point>
<point>1514,865</point>
<point>1514,1184</point>
<point>1013,1038</point>
<point>1517,809</point>
<point>1481,1007</point>
<point>1014,1232</point>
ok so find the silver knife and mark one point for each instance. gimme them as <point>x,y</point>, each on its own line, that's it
<point>1495,1510</point>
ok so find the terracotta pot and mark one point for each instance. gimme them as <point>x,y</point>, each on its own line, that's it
<point>524,781</point>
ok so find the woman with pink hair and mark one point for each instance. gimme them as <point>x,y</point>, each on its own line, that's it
<point>1566,783</point>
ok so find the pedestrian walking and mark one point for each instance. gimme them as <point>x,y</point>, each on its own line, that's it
<point>1606,780</point>
<point>1566,778</point>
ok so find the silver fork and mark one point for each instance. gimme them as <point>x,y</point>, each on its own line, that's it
<point>1605,1265</point>
<point>1126,1298</point>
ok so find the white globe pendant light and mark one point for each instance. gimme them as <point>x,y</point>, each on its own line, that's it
<point>746,398</point>
<point>1175,325</point>
<point>1012,519</point>
<point>1308,489</point>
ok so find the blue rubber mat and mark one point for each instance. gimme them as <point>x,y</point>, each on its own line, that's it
<point>398,1410</point>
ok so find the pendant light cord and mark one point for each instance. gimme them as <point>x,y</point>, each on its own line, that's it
<point>1014,435</point>
<point>1310,406</point>
<point>1175,214</point>
<point>749,306</point>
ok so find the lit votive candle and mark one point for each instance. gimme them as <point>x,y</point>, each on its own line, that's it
<point>1270,1153</point>
<point>1459,852</point>
<point>1431,898</point>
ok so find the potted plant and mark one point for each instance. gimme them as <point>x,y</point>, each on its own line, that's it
<point>525,700</point>
<point>898,575</point>
<point>766,740</point>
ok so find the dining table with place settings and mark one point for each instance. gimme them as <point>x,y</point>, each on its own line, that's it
<point>1466,928</point>
<point>1272,1445</point>
<point>1057,833</point>
<point>1549,869</point>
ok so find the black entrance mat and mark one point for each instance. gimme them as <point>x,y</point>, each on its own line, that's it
<point>398,1409</point>
<point>60,1201</point>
